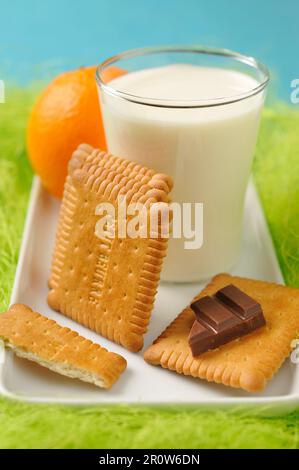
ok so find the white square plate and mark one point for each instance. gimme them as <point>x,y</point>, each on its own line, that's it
<point>141,383</point>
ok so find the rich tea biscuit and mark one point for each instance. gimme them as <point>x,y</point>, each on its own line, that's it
<point>39,339</point>
<point>248,362</point>
<point>107,284</point>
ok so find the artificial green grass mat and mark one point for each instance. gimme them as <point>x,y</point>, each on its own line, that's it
<point>276,170</point>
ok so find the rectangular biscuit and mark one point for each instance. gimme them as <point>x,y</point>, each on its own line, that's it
<point>39,339</point>
<point>248,362</point>
<point>109,284</point>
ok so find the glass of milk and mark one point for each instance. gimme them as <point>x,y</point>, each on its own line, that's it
<point>193,113</point>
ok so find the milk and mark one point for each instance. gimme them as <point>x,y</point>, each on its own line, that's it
<point>207,151</point>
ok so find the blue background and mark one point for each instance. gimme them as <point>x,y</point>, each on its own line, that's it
<point>41,38</point>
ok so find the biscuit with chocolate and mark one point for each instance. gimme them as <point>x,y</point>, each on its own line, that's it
<point>247,362</point>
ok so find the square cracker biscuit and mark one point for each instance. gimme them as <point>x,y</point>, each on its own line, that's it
<point>39,339</point>
<point>108,285</point>
<point>248,362</point>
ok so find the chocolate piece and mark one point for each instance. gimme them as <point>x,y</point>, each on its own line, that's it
<point>227,315</point>
<point>241,303</point>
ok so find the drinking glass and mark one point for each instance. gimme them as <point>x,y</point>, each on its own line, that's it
<point>205,143</point>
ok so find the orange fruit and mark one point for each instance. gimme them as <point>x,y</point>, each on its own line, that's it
<point>66,114</point>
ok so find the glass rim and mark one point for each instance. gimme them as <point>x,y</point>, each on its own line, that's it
<point>174,103</point>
